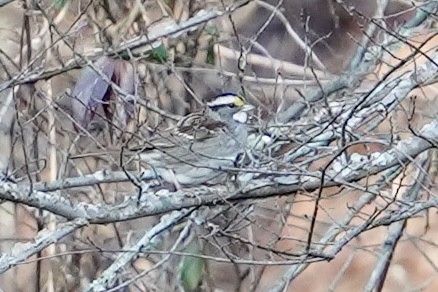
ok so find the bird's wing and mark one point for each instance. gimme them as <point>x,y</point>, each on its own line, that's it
<point>199,127</point>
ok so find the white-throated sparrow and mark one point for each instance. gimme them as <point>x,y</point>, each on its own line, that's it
<point>203,145</point>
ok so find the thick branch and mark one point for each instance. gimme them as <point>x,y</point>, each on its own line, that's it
<point>5,2</point>
<point>21,251</point>
<point>273,185</point>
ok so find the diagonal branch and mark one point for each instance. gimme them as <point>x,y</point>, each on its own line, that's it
<point>21,251</point>
<point>145,42</point>
<point>5,2</point>
<point>109,276</point>
<point>395,230</point>
<point>273,185</point>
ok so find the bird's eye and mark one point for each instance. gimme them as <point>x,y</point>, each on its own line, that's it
<point>231,105</point>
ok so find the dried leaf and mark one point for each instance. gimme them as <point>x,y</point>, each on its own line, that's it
<point>91,90</point>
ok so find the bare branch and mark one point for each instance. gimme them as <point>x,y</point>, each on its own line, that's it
<point>277,185</point>
<point>395,230</point>
<point>22,251</point>
<point>5,2</point>
<point>150,238</point>
<point>145,42</point>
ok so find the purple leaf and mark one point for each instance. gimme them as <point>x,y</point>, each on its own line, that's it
<point>91,90</point>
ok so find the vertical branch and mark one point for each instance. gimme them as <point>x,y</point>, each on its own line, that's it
<point>412,190</point>
<point>52,174</point>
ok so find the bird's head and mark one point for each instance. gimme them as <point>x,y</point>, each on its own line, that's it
<point>229,107</point>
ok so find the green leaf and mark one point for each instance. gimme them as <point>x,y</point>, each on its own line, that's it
<point>211,59</point>
<point>211,30</point>
<point>192,269</point>
<point>158,54</point>
<point>59,3</point>
<point>125,56</point>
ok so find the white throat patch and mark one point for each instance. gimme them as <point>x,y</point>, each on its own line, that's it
<point>240,117</point>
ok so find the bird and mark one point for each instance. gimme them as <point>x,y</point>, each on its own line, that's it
<point>225,111</point>
<point>202,145</point>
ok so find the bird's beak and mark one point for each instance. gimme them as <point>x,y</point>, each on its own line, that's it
<point>247,108</point>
